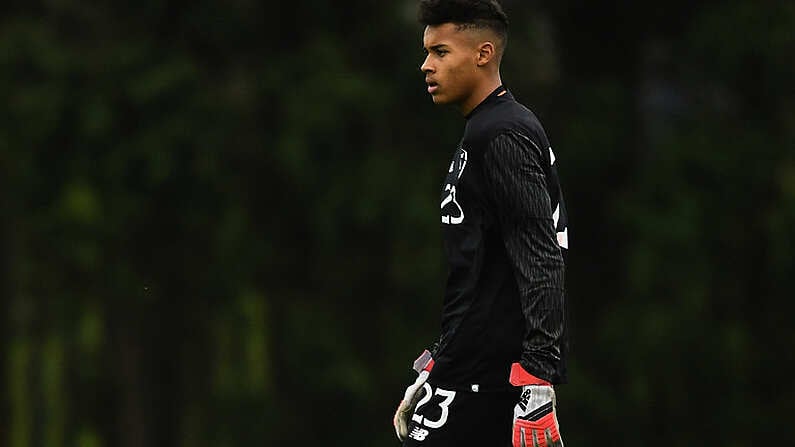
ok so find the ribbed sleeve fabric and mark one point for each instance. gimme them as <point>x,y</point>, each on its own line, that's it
<point>515,179</point>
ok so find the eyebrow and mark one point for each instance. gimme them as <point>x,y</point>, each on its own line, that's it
<point>436,47</point>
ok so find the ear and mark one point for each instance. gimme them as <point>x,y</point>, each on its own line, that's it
<point>486,53</point>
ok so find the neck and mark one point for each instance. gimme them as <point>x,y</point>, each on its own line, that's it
<point>481,92</point>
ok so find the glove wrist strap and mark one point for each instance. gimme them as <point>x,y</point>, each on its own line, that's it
<point>520,377</point>
<point>424,362</point>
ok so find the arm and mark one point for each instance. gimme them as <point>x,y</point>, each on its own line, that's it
<point>515,177</point>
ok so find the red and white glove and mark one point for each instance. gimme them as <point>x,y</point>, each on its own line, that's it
<point>535,422</point>
<point>423,366</point>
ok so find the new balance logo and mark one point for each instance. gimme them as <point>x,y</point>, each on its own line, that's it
<point>419,434</point>
<point>525,399</point>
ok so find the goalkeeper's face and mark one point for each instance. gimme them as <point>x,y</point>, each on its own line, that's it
<point>451,64</point>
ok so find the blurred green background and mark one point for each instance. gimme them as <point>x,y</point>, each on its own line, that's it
<point>219,219</point>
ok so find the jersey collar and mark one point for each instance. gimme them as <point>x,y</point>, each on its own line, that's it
<point>499,93</point>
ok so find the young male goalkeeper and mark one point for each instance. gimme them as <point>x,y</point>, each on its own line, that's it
<point>489,379</point>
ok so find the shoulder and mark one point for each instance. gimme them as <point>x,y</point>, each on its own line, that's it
<point>507,118</point>
<point>512,149</point>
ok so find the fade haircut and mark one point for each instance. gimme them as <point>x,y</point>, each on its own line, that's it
<point>466,14</point>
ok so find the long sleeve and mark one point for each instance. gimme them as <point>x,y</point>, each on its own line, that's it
<point>515,177</point>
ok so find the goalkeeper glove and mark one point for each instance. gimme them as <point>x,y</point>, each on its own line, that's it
<point>423,366</point>
<point>535,422</point>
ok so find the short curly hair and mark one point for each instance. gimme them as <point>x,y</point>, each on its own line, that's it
<point>486,14</point>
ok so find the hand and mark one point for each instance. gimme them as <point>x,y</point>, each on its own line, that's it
<point>535,423</point>
<point>406,408</point>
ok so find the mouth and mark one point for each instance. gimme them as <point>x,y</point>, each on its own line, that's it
<point>432,86</point>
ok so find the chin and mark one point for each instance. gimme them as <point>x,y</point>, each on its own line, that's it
<point>437,99</point>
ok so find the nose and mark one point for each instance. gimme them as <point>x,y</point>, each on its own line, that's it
<point>426,67</point>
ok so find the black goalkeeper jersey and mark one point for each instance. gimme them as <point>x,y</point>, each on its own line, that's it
<point>504,223</point>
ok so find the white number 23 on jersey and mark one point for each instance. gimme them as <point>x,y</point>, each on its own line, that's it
<point>447,396</point>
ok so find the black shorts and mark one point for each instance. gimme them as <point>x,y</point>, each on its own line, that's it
<point>462,418</point>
